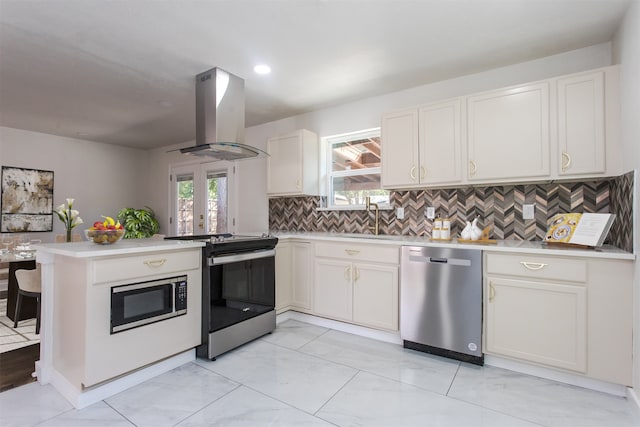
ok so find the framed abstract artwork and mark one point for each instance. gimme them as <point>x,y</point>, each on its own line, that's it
<point>27,200</point>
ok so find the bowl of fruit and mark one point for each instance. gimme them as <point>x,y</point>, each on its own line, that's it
<point>105,232</point>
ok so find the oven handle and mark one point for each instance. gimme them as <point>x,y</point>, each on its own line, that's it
<point>227,259</point>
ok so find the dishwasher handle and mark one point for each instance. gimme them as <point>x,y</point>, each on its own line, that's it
<point>434,260</point>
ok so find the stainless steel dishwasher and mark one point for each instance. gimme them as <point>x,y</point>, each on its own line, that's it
<point>441,301</point>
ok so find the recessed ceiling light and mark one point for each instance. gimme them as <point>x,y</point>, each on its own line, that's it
<point>262,69</point>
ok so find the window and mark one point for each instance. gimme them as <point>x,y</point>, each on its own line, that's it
<point>353,169</point>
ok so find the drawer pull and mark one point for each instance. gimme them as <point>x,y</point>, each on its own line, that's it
<point>352,251</point>
<point>155,262</point>
<point>533,265</point>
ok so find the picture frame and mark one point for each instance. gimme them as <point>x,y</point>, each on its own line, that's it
<point>26,201</point>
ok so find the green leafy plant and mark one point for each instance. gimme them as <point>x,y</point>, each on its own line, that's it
<point>138,223</point>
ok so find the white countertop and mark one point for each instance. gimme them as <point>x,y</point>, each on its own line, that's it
<point>123,247</point>
<point>512,246</point>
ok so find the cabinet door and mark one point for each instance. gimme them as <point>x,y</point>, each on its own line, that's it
<point>581,139</point>
<point>508,134</point>
<point>537,321</point>
<point>332,289</point>
<point>284,166</point>
<point>300,282</point>
<point>439,133</point>
<point>400,157</point>
<point>284,268</point>
<point>375,296</point>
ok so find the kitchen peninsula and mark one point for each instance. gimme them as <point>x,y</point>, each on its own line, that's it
<point>95,339</point>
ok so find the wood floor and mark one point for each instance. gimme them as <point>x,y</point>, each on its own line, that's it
<point>17,365</point>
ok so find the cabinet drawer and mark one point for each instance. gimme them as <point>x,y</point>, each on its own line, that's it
<point>356,252</point>
<point>159,263</point>
<point>538,267</point>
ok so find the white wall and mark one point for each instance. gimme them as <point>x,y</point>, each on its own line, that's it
<point>627,53</point>
<point>102,178</point>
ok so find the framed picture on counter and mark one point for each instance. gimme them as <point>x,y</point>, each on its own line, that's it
<point>27,200</point>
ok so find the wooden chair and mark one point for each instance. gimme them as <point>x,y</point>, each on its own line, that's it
<point>29,285</point>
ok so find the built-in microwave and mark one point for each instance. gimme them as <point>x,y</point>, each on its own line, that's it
<point>142,303</point>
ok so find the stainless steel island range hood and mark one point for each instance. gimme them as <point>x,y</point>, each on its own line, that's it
<point>220,118</point>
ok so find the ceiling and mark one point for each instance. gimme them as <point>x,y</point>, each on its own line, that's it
<point>122,72</point>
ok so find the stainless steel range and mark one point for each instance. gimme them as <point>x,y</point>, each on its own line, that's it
<point>238,290</point>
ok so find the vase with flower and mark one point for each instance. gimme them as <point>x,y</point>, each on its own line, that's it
<point>69,217</point>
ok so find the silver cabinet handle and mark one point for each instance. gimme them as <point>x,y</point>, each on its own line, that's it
<point>423,172</point>
<point>352,251</point>
<point>347,273</point>
<point>566,161</point>
<point>492,292</point>
<point>472,168</point>
<point>413,173</point>
<point>533,265</point>
<point>357,271</point>
<point>155,262</point>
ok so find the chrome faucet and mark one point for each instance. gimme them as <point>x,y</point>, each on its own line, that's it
<point>376,227</point>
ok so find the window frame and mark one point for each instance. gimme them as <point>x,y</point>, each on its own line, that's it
<point>327,162</point>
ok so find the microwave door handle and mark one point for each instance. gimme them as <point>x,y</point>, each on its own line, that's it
<point>173,297</point>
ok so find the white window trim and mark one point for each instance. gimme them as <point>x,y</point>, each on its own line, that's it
<point>327,176</point>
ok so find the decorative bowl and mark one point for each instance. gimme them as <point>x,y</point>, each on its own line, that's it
<point>104,237</point>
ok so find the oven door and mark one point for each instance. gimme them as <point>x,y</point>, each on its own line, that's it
<point>139,304</point>
<point>242,286</point>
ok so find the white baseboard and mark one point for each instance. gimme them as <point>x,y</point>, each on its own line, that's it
<point>391,337</point>
<point>83,398</point>
<point>632,396</point>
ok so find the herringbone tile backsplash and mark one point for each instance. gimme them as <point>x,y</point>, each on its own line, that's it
<point>499,207</point>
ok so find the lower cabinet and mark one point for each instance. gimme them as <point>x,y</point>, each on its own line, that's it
<point>561,312</point>
<point>357,283</point>
<point>537,321</point>
<point>293,283</point>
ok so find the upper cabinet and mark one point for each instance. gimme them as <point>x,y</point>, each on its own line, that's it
<point>581,124</point>
<point>564,127</point>
<point>508,134</point>
<point>292,165</point>
<point>422,146</point>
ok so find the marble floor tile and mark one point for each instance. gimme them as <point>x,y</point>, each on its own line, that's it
<point>370,400</point>
<point>31,404</point>
<point>97,415</point>
<point>245,407</point>
<point>388,360</point>
<point>303,381</point>
<point>5,330</point>
<point>171,397</point>
<point>294,334</point>
<point>539,400</point>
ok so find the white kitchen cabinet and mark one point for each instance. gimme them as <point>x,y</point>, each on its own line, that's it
<point>537,321</point>
<point>422,146</point>
<point>292,275</point>
<point>581,125</point>
<point>333,289</point>
<point>562,312</point>
<point>400,152</point>
<point>85,352</point>
<point>300,277</point>
<point>508,134</point>
<point>292,165</point>
<point>284,288</point>
<point>357,283</point>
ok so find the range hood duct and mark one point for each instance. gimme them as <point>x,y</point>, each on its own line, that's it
<point>220,118</point>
